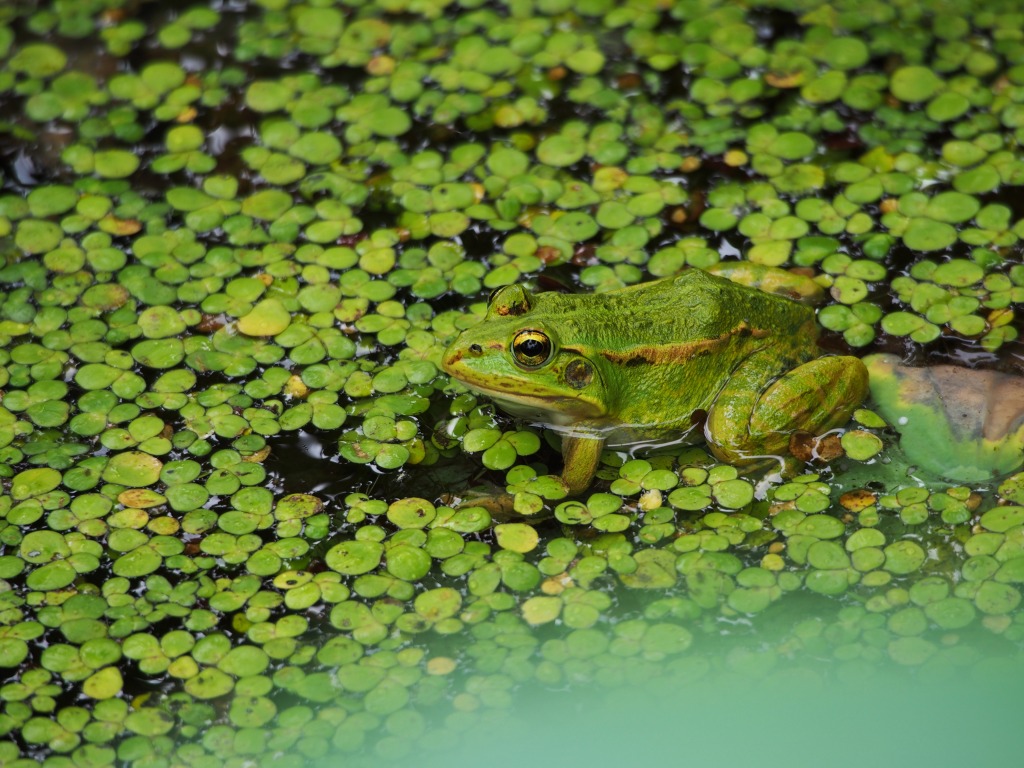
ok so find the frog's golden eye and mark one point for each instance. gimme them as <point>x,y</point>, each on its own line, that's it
<point>531,348</point>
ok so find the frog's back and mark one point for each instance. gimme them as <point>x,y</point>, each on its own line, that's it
<point>696,302</point>
<point>690,306</point>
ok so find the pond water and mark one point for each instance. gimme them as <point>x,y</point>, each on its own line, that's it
<point>236,238</point>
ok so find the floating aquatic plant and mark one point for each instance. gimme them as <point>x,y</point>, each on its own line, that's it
<point>234,243</point>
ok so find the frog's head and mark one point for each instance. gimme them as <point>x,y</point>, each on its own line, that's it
<point>516,357</point>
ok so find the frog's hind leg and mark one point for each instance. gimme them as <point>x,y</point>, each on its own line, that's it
<point>746,422</point>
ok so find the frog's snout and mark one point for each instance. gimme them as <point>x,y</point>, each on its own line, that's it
<point>462,353</point>
<point>450,358</point>
<point>456,352</point>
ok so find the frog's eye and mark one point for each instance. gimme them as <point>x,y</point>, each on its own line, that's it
<point>531,348</point>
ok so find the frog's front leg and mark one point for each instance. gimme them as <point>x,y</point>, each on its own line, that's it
<point>750,420</point>
<point>581,457</point>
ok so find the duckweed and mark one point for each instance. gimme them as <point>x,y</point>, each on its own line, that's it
<point>236,241</point>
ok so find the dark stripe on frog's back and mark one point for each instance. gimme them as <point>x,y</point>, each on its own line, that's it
<point>654,315</point>
<point>677,354</point>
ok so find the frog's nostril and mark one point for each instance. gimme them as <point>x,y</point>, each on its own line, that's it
<point>476,349</point>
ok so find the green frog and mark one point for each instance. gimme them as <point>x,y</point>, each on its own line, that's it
<point>657,362</point>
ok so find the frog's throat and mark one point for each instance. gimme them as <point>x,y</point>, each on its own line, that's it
<point>555,410</point>
<point>675,354</point>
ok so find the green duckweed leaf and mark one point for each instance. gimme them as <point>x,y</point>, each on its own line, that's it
<point>914,84</point>
<point>354,557</point>
<point>133,469</point>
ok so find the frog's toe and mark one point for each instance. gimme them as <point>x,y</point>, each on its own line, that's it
<point>500,506</point>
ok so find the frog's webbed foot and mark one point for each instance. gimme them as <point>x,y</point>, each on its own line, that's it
<point>581,455</point>
<point>500,506</point>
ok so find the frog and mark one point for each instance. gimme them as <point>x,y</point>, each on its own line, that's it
<point>671,360</point>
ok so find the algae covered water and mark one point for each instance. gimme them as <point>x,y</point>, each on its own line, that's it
<point>236,239</point>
